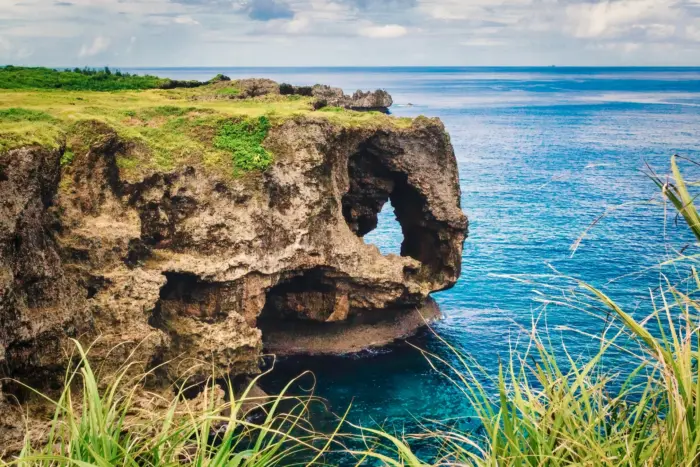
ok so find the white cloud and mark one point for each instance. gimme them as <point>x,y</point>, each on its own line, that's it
<point>99,44</point>
<point>693,33</point>
<point>24,52</point>
<point>130,47</point>
<point>502,11</point>
<point>388,31</point>
<point>325,32</point>
<point>297,25</point>
<point>10,50</point>
<point>185,19</point>
<point>138,7</point>
<point>482,42</point>
<point>5,45</point>
<point>626,47</point>
<point>326,10</point>
<point>659,31</point>
<point>446,13</point>
<point>610,18</point>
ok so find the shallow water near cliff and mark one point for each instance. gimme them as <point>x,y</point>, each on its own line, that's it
<point>542,153</point>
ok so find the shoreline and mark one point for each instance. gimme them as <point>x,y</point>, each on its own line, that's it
<point>301,338</point>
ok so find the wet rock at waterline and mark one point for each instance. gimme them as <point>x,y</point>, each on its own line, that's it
<point>360,332</point>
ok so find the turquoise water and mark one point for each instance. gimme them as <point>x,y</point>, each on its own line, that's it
<point>542,153</point>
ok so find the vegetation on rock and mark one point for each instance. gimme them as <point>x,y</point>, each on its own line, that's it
<point>168,124</point>
<point>85,79</point>
<point>543,408</point>
<point>105,422</point>
<point>18,114</point>
<point>244,140</point>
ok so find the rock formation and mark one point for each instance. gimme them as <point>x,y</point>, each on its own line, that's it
<point>378,100</point>
<point>183,267</point>
<point>326,96</point>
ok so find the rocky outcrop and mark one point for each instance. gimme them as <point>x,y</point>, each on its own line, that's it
<point>353,335</point>
<point>187,268</point>
<point>378,100</point>
<point>324,96</point>
<point>256,87</point>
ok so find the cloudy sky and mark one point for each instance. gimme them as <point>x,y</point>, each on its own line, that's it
<point>349,32</point>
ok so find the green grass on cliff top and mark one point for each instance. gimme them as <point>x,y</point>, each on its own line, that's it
<point>206,126</point>
<point>85,79</point>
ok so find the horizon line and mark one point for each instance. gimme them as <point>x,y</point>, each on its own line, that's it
<point>379,67</point>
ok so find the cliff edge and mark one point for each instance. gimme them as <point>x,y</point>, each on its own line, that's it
<point>188,265</point>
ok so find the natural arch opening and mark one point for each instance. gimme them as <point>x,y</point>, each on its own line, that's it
<point>388,235</point>
<point>317,312</point>
<point>373,185</point>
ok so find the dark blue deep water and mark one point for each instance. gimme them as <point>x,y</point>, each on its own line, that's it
<point>542,153</point>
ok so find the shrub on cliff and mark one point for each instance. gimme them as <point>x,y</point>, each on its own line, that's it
<point>12,77</point>
<point>286,89</point>
<point>289,90</point>
<point>244,138</point>
<point>219,77</point>
<point>88,79</point>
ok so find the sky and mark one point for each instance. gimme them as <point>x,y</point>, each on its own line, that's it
<point>156,33</point>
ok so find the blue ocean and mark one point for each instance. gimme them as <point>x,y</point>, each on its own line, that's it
<point>543,154</point>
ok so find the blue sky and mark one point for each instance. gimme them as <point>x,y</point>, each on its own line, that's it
<point>349,32</point>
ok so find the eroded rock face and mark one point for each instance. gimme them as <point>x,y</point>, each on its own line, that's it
<point>185,268</point>
<point>40,305</point>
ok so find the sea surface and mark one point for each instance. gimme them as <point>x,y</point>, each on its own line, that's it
<point>543,153</point>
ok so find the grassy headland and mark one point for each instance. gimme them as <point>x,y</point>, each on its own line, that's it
<point>214,125</point>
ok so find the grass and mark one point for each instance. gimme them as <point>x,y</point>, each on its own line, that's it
<point>228,91</point>
<point>544,407</point>
<point>18,114</point>
<point>67,158</point>
<point>243,139</point>
<point>167,129</point>
<point>104,422</point>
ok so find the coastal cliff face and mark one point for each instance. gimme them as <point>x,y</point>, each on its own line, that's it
<point>187,269</point>
<point>181,266</point>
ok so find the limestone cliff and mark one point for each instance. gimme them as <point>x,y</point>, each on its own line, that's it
<point>195,268</point>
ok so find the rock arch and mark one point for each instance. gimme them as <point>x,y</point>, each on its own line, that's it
<point>377,174</point>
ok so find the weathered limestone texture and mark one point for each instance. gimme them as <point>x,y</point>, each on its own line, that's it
<point>185,268</point>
